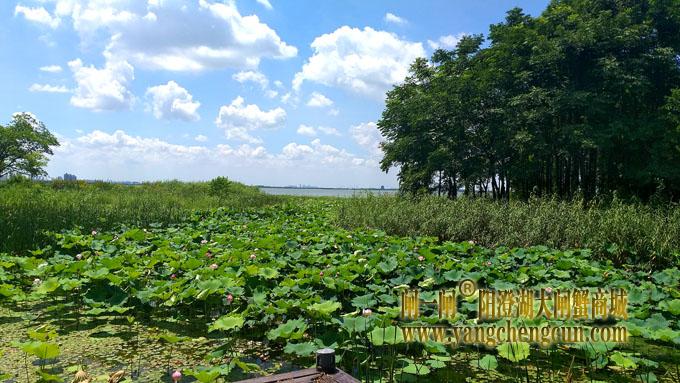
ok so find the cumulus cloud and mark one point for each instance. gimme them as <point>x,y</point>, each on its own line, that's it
<point>37,15</point>
<point>238,120</point>
<point>367,136</point>
<point>251,76</point>
<point>102,89</point>
<point>311,131</point>
<point>318,100</point>
<point>446,42</point>
<point>177,36</point>
<point>364,61</point>
<point>394,19</point>
<point>51,69</point>
<point>48,88</point>
<point>123,156</point>
<point>201,138</point>
<point>256,78</point>
<point>171,101</point>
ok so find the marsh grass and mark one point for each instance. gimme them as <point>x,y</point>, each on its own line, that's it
<point>632,233</point>
<point>30,209</point>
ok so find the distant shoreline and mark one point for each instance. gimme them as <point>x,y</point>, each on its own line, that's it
<point>322,188</point>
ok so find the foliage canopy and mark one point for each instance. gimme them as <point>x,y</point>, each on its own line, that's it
<point>24,144</point>
<point>583,99</point>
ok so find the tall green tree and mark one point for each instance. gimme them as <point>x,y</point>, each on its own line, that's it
<point>581,100</point>
<point>24,145</point>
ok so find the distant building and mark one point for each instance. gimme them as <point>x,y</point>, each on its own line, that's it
<point>69,177</point>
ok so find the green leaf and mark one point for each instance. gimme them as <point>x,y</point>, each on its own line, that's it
<point>672,306</point>
<point>416,369</point>
<point>226,323</point>
<point>386,335</point>
<point>292,329</point>
<point>325,308</point>
<point>300,349</point>
<point>622,360</point>
<point>514,351</point>
<point>388,265</point>
<point>488,362</point>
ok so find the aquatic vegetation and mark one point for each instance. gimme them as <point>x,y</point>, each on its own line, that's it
<point>288,281</point>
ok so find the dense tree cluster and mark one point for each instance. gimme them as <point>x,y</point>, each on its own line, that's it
<point>583,99</point>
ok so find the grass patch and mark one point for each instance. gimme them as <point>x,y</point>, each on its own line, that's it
<point>622,232</point>
<point>30,209</point>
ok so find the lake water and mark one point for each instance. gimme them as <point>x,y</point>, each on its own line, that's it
<point>314,192</point>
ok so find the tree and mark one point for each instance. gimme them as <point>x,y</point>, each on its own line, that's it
<point>24,145</point>
<point>581,100</point>
<point>220,187</point>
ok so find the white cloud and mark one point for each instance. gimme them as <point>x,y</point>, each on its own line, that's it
<point>171,101</point>
<point>294,150</point>
<point>318,100</point>
<point>170,35</point>
<point>265,3</point>
<point>251,76</point>
<point>329,131</point>
<point>368,136</point>
<point>394,19</point>
<point>311,131</point>
<point>48,88</point>
<point>238,120</point>
<point>363,61</point>
<point>305,130</point>
<point>201,138</point>
<point>446,42</point>
<point>257,78</point>
<point>334,112</point>
<point>37,15</point>
<point>102,89</point>
<point>123,156</point>
<point>51,69</point>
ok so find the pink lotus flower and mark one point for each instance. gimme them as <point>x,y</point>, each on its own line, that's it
<point>367,312</point>
<point>421,258</point>
<point>208,254</point>
<point>94,232</point>
<point>36,282</point>
<point>173,276</point>
<point>488,263</point>
<point>204,241</point>
<point>176,376</point>
<point>230,298</point>
<point>253,256</point>
<point>548,290</point>
<point>79,256</point>
<point>321,274</point>
<point>214,266</point>
<point>471,242</point>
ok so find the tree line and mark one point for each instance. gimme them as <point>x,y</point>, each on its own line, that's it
<point>583,100</point>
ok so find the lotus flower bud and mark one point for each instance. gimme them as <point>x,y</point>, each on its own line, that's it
<point>176,376</point>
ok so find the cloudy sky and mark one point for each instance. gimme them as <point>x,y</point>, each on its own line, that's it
<point>263,91</point>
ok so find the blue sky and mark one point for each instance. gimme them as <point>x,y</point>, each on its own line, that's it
<point>261,91</point>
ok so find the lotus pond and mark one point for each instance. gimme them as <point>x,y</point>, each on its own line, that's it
<point>226,295</point>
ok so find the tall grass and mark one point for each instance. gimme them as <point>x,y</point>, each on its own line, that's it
<point>622,232</point>
<point>29,209</point>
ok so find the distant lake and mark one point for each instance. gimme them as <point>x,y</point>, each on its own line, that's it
<point>316,192</point>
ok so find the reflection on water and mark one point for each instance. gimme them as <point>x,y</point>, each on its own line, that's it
<point>315,192</point>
